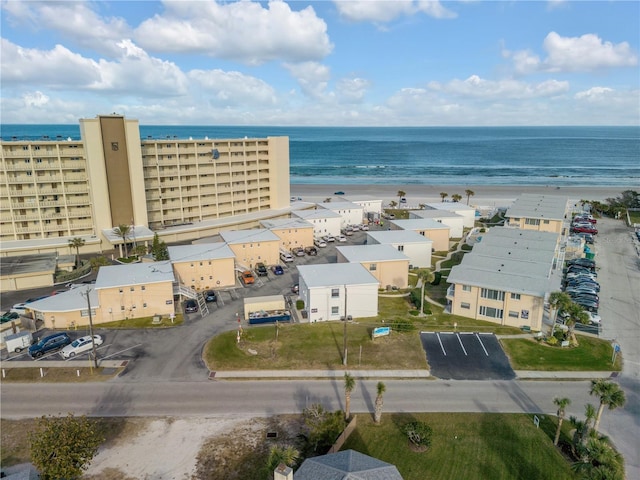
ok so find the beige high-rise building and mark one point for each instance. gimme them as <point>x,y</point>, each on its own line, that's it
<point>55,190</point>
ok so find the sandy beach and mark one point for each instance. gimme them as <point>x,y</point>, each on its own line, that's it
<point>484,195</point>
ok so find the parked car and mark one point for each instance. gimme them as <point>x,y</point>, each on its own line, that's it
<point>286,257</point>
<point>210,296</point>
<point>318,242</point>
<point>298,251</point>
<point>295,288</point>
<point>48,344</point>
<point>261,269</point>
<point>341,238</point>
<point>585,229</point>
<point>403,200</point>
<point>364,227</point>
<point>584,262</point>
<point>277,269</point>
<point>329,238</point>
<point>9,316</point>
<point>585,218</point>
<point>339,192</point>
<point>190,306</point>
<point>355,228</point>
<point>19,308</point>
<point>311,251</point>
<point>587,237</point>
<point>80,345</point>
<point>594,317</point>
<point>247,277</point>
<point>347,231</point>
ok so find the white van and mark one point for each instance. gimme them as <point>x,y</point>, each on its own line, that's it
<point>286,256</point>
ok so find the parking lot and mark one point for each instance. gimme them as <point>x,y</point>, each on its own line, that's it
<point>466,356</point>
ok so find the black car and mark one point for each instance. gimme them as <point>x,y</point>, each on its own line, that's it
<point>48,344</point>
<point>311,250</point>
<point>261,269</point>
<point>7,317</point>
<point>190,306</point>
<point>210,296</point>
<point>587,262</point>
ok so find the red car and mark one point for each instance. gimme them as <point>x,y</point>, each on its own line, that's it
<point>585,229</point>
<point>585,219</point>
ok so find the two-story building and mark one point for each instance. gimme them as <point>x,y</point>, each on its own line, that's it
<point>389,266</point>
<point>415,246</point>
<point>203,266</point>
<point>543,213</point>
<point>437,232</point>
<point>293,232</point>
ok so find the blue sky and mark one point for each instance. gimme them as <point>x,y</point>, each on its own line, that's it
<point>364,63</point>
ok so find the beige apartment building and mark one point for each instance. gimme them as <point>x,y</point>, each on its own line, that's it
<point>293,232</point>
<point>52,190</point>
<point>204,266</point>
<point>542,213</point>
<point>388,265</point>
<point>253,246</point>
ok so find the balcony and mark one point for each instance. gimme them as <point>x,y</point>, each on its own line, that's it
<point>450,292</point>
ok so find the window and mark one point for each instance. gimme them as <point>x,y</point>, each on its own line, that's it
<point>373,267</point>
<point>515,296</point>
<point>144,305</point>
<point>401,248</point>
<point>120,290</point>
<point>546,222</point>
<point>491,312</point>
<point>132,289</point>
<point>492,294</point>
<point>335,292</point>
<point>142,287</point>
<point>122,307</point>
<point>532,221</point>
<point>466,288</point>
<point>513,314</point>
<point>335,310</point>
<point>465,305</point>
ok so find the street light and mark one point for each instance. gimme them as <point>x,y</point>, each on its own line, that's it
<point>93,342</point>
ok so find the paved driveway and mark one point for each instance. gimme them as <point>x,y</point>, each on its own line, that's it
<point>466,356</point>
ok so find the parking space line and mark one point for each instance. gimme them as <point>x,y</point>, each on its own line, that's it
<point>482,345</point>
<point>461,345</point>
<point>441,346</point>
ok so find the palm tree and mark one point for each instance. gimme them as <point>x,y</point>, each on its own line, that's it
<point>610,394</point>
<point>422,206</point>
<point>562,404</point>
<point>576,315</point>
<point>443,195</point>
<point>557,302</point>
<point>599,461</point>
<point>393,204</point>
<point>456,197</point>
<point>286,454</point>
<point>381,388</point>
<point>76,243</point>
<point>469,193</point>
<point>400,195</point>
<point>426,276</point>
<point>349,386</point>
<point>122,231</point>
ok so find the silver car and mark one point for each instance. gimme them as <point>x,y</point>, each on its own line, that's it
<point>80,345</point>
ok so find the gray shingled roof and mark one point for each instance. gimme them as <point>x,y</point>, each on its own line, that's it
<point>548,207</point>
<point>346,465</point>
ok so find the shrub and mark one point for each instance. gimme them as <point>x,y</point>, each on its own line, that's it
<point>402,326</point>
<point>418,433</point>
<point>437,276</point>
<point>552,341</point>
<point>299,304</point>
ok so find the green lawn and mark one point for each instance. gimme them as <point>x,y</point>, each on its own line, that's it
<point>592,354</point>
<point>466,446</point>
<point>314,346</point>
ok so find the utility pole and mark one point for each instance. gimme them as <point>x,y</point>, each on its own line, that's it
<point>344,356</point>
<point>93,342</point>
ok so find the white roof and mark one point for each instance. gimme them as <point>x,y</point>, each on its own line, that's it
<point>134,274</point>
<point>511,251</point>
<point>371,253</point>
<point>278,223</point>
<point>419,224</point>
<point>341,206</point>
<point>451,206</point>
<point>136,232</point>
<point>550,207</point>
<point>333,274</point>
<point>521,234</point>
<point>436,214</point>
<point>248,236</point>
<point>363,198</point>
<point>16,245</point>
<point>316,213</point>
<point>398,236</point>
<point>541,269</point>
<point>70,301</point>
<point>198,252</point>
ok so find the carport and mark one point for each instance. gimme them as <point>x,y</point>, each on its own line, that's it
<point>466,356</point>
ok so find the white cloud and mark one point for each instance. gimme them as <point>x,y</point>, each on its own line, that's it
<point>474,86</point>
<point>382,11</point>
<point>234,88</point>
<point>242,31</point>
<point>35,99</point>
<point>313,78</point>
<point>76,21</point>
<point>595,93</point>
<point>574,54</point>
<point>56,68</point>
<point>352,89</point>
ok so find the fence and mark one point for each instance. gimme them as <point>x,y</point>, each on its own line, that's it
<point>343,436</point>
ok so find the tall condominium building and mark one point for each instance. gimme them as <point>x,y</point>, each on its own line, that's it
<point>55,190</point>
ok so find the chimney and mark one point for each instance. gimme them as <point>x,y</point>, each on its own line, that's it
<point>282,472</point>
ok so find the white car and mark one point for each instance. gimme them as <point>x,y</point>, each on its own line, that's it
<point>594,317</point>
<point>364,227</point>
<point>80,345</point>
<point>19,308</point>
<point>355,228</point>
<point>320,243</point>
<point>341,238</point>
<point>329,238</point>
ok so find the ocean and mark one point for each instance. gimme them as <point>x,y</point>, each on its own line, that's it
<point>555,156</point>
